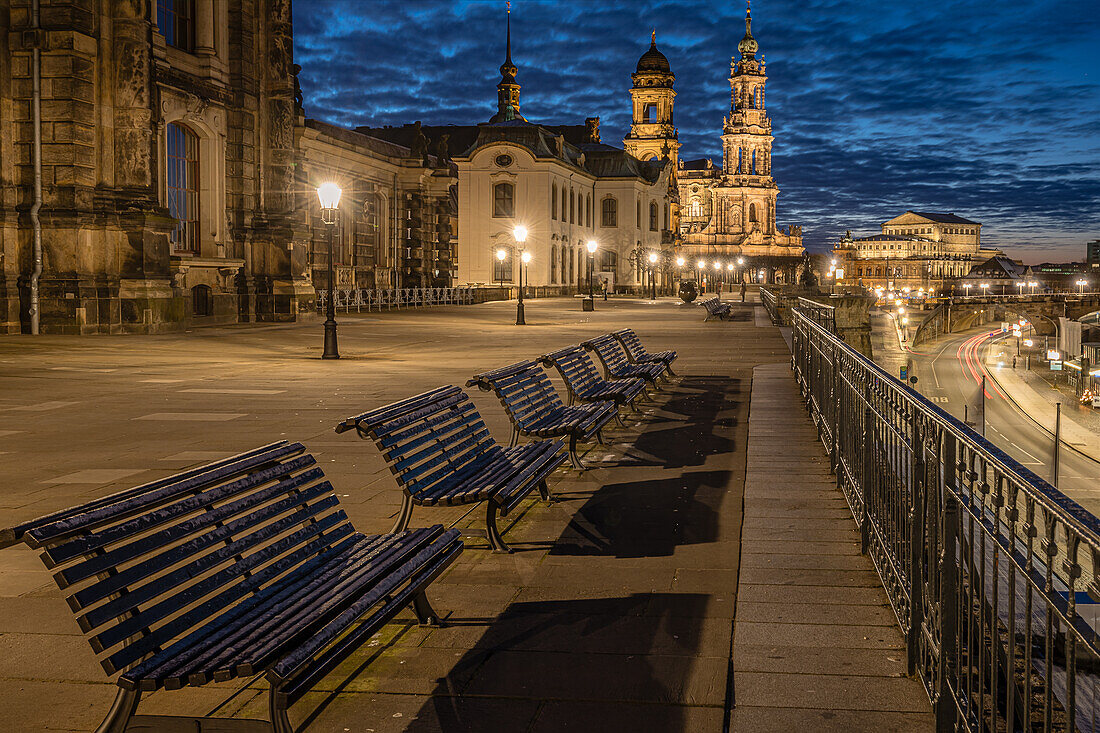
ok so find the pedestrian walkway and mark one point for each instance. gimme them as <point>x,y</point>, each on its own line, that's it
<point>616,612</point>
<point>816,644</point>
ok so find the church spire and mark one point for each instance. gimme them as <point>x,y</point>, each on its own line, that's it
<point>508,88</point>
<point>748,46</point>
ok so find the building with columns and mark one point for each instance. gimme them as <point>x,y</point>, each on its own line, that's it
<point>729,212</point>
<point>653,133</point>
<point>918,249</point>
<point>156,173</point>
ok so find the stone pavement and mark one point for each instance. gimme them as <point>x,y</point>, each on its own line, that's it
<point>616,611</point>
<point>816,644</point>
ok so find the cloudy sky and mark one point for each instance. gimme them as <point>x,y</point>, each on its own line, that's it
<point>986,108</point>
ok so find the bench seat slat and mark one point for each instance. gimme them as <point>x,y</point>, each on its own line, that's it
<point>295,606</point>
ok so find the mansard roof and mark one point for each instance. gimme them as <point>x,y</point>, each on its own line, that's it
<point>697,164</point>
<point>998,267</point>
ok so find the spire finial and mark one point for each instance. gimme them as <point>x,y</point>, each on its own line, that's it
<point>653,38</point>
<point>508,6</point>
<point>748,16</point>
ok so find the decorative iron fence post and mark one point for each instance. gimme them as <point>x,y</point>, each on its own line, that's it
<point>945,710</point>
<point>916,543</point>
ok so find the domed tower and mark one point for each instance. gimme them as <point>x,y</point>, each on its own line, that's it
<point>508,88</point>
<point>747,135</point>
<point>652,134</point>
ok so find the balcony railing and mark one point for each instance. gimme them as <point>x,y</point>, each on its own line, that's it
<point>986,565</point>
<point>360,299</point>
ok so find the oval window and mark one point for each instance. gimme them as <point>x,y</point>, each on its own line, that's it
<point>504,160</point>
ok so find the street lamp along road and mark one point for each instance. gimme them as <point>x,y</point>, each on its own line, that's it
<point>520,234</point>
<point>329,196</point>
<point>653,274</point>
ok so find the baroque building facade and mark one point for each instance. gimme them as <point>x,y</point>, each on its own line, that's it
<point>730,212</point>
<point>918,249</point>
<point>156,171</point>
<point>564,187</point>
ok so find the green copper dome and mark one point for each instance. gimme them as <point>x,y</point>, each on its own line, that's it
<point>748,45</point>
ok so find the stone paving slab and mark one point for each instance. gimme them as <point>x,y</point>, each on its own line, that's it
<point>816,646</point>
<point>614,613</point>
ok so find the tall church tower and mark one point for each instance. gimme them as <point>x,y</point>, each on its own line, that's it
<point>508,87</point>
<point>652,134</point>
<point>747,136</point>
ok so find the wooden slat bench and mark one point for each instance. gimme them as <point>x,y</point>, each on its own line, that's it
<point>638,354</point>
<point>715,307</point>
<point>441,453</point>
<point>536,410</point>
<point>615,363</point>
<point>240,567</point>
<point>584,382</point>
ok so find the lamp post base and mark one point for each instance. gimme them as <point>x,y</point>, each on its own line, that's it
<point>519,315</point>
<point>331,350</point>
<point>587,304</point>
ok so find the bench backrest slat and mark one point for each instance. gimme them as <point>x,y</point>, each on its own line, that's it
<point>425,439</point>
<point>609,351</point>
<point>633,345</point>
<point>47,527</point>
<point>524,389</point>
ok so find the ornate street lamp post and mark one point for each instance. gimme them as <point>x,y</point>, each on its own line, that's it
<point>591,247</point>
<point>653,275</point>
<point>329,196</point>
<point>717,282</point>
<point>1081,286</point>
<point>520,233</point>
<point>700,264</point>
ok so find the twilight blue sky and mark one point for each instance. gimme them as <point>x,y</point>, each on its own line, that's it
<point>987,109</point>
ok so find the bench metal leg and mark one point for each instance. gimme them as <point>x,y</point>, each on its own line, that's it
<point>599,437</point>
<point>670,372</point>
<point>491,532</point>
<point>544,492</point>
<point>425,614</point>
<point>515,437</point>
<point>619,416</point>
<point>403,516</point>
<point>573,457</point>
<point>280,721</point>
<point>122,709</point>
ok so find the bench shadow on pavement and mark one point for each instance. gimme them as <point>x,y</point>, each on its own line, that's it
<point>579,662</point>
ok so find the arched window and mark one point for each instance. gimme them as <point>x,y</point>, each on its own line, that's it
<point>652,216</point>
<point>739,154</point>
<point>695,207</point>
<point>752,168</point>
<point>572,207</point>
<point>202,301</point>
<point>752,212</point>
<point>588,211</point>
<point>638,214</point>
<point>609,212</point>
<point>183,187</point>
<point>572,258</point>
<point>649,112</point>
<point>553,202</point>
<point>504,200</point>
<point>563,270</point>
<point>553,264</point>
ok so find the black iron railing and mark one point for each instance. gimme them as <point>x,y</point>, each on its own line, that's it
<point>990,570</point>
<point>820,313</point>
<point>771,305</point>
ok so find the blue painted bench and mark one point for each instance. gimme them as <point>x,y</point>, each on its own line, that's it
<point>638,354</point>
<point>616,365</point>
<point>246,565</point>
<point>715,307</point>
<point>441,453</point>
<point>536,410</point>
<point>585,384</point>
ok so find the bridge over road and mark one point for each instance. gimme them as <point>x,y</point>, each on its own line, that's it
<point>957,314</point>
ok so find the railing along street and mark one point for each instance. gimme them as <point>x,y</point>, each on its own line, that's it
<point>360,299</point>
<point>990,570</point>
<point>771,305</point>
<point>820,313</point>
